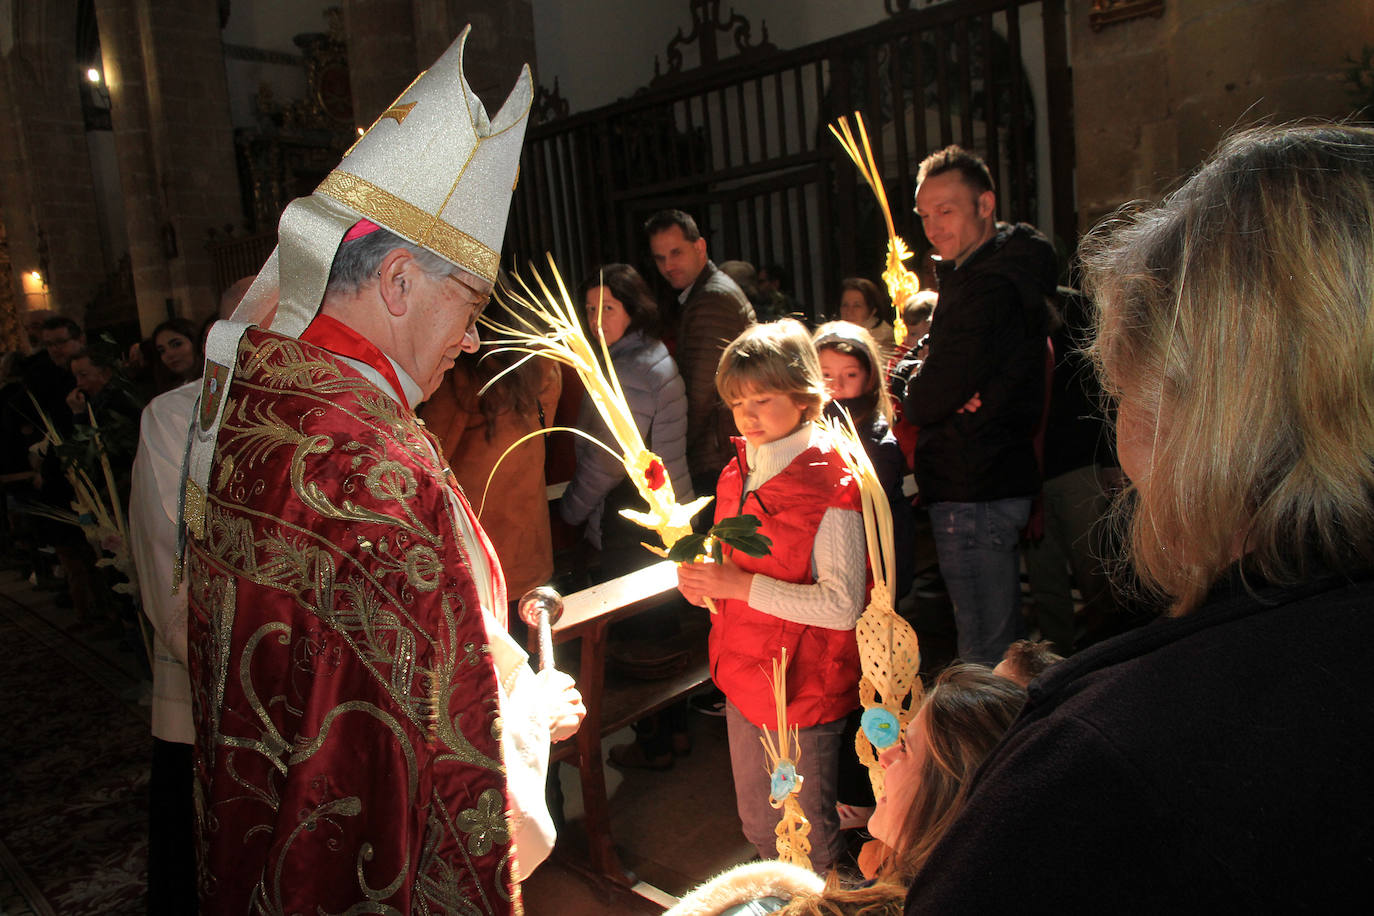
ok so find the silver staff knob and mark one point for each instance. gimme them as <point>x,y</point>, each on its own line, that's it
<point>542,607</point>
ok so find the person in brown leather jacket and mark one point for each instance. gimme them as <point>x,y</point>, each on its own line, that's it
<point>714,311</point>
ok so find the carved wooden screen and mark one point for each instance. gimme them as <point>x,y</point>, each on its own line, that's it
<point>744,146</point>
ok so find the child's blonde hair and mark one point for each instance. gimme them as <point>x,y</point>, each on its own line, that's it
<point>852,340</point>
<point>777,356</point>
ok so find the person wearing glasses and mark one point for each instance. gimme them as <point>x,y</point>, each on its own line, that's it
<point>362,719</point>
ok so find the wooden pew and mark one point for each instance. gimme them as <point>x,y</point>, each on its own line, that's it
<point>587,615</point>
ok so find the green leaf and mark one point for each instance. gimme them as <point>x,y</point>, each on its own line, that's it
<point>688,548</point>
<point>741,533</point>
<point>739,524</point>
<point>755,545</point>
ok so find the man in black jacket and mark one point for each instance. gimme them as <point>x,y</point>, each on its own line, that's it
<point>979,394</point>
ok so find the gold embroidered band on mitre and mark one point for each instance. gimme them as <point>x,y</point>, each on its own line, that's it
<point>411,222</point>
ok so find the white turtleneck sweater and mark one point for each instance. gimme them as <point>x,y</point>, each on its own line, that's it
<point>839,557</point>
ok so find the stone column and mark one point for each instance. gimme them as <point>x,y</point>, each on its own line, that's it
<point>381,54</point>
<point>12,336</point>
<point>121,49</point>
<point>170,108</point>
<point>502,40</point>
<point>47,193</point>
<point>390,41</point>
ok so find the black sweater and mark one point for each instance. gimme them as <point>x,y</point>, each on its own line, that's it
<point>987,337</point>
<point>1217,762</point>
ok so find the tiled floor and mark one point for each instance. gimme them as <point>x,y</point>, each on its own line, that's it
<point>672,830</point>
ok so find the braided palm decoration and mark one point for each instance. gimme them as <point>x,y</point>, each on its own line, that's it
<point>784,784</point>
<point>889,655</point>
<point>901,283</point>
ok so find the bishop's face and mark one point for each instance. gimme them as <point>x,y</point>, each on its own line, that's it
<point>444,314</point>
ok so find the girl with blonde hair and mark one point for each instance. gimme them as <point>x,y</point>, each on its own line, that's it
<point>928,773</point>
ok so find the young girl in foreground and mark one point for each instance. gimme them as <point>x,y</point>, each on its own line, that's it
<point>928,774</point>
<point>806,594</point>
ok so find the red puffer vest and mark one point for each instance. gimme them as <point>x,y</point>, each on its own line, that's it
<point>823,664</point>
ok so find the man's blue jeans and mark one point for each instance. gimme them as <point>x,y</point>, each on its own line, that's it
<point>977,545</point>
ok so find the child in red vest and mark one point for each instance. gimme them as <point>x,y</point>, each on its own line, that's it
<point>805,595</point>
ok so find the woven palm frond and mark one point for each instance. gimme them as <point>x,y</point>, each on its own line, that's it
<point>889,652</point>
<point>901,283</point>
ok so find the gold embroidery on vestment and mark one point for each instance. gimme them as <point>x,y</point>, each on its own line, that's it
<point>194,511</point>
<point>407,220</point>
<point>362,599</point>
<point>440,883</point>
<point>304,750</point>
<point>371,894</point>
<point>270,744</point>
<point>485,824</point>
<point>350,806</point>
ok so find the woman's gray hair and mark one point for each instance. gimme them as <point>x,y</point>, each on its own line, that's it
<point>358,260</point>
<point>1237,322</point>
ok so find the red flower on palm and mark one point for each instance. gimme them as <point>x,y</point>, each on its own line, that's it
<point>655,474</point>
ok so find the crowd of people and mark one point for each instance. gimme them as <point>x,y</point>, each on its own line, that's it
<point>71,404</point>
<point>341,714</point>
<point>1154,770</point>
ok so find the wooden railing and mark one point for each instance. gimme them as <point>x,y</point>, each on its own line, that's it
<point>614,703</point>
<point>743,145</point>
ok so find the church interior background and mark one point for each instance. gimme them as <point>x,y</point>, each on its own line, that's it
<point>147,147</point>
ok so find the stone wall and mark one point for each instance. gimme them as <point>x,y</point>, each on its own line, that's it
<point>390,41</point>
<point>169,105</point>
<point>1152,96</point>
<point>261,53</point>
<point>173,168</point>
<point>381,53</point>
<point>502,41</point>
<point>171,174</point>
<point>47,197</point>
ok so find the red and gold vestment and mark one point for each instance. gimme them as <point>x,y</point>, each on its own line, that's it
<point>348,754</point>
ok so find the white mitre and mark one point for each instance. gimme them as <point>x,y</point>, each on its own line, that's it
<point>433,169</point>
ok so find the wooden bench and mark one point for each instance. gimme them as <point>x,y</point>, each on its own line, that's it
<point>614,702</point>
